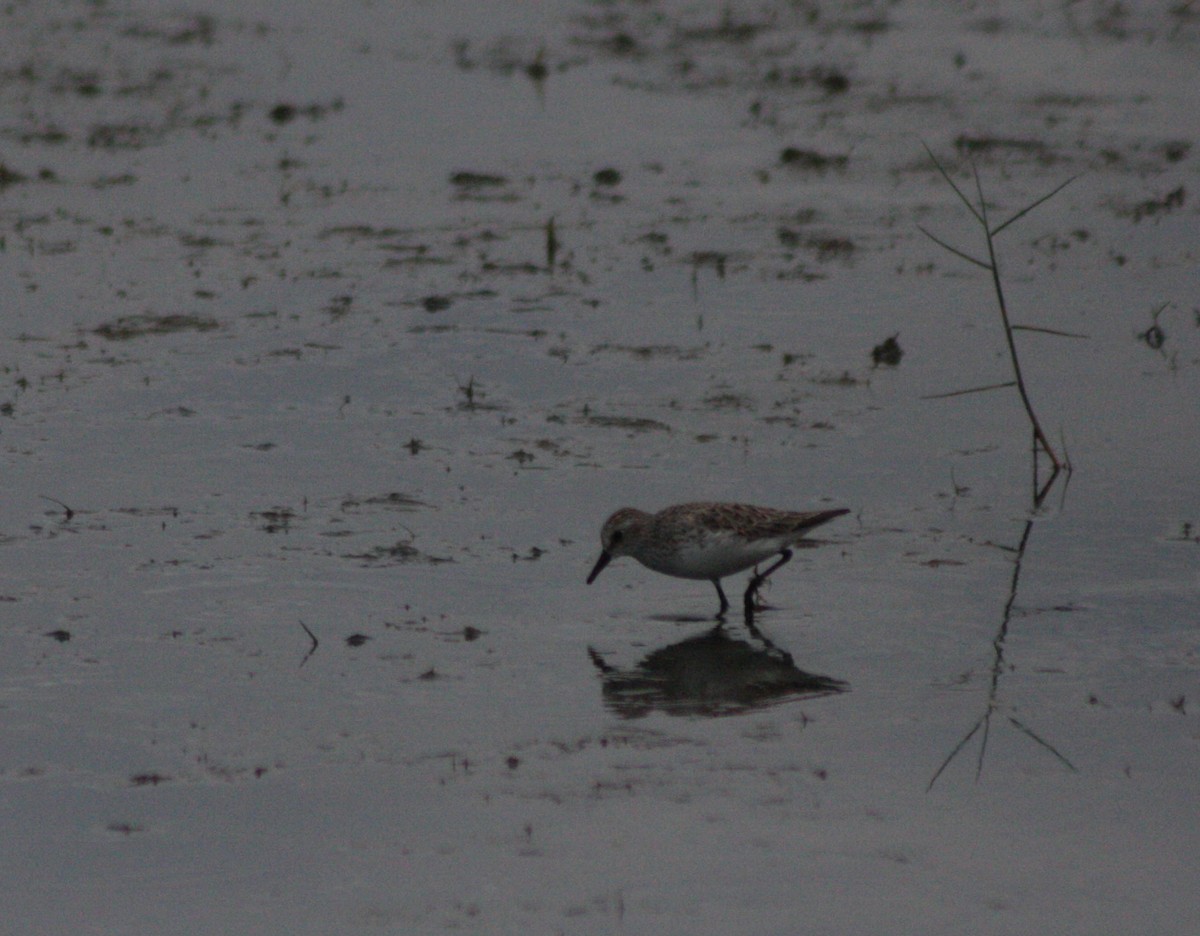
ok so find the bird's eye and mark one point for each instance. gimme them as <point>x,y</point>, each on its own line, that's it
<point>616,537</point>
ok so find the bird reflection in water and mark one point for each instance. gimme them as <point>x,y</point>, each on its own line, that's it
<point>712,674</point>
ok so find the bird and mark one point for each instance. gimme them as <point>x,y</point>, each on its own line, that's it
<point>708,540</point>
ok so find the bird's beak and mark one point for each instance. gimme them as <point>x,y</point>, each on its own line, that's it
<point>605,559</point>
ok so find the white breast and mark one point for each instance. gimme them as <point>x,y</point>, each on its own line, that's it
<point>716,555</point>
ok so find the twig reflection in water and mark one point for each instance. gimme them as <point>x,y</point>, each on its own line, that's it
<point>985,720</point>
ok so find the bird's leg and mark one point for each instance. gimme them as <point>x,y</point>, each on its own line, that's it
<point>721,595</point>
<point>761,577</point>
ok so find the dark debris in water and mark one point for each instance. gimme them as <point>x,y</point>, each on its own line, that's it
<point>536,70</point>
<point>148,779</point>
<point>400,553</point>
<point>127,136</point>
<point>128,327</point>
<point>844,379</point>
<point>477,180</point>
<point>274,520</point>
<point>727,29</point>
<point>829,80</point>
<point>826,248</point>
<point>284,113</point>
<point>649,352</point>
<point>177,30</point>
<point>482,187</point>
<point>1156,206</point>
<point>631,423</point>
<point>975,145</point>
<point>9,177</point>
<point>728,401</point>
<point>1154,336</point>
<point>810,160</point>
<point>511,56</point>
<point>714,259</point>
<point>393,500</point>
<point>887,353</point>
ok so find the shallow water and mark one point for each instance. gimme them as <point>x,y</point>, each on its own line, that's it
<point>287,351</point>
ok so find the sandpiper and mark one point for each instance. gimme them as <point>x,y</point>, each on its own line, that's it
<point>707,540</point>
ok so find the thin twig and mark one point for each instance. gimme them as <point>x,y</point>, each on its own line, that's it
<point>315,643</point>
<point>949,181</point>
<point>954,250</point>
<point>1043,742</point>
<point>1028,208</point>
<point>1040,495</point>
<point>980,212</point>
<point>953,754</point>
<point>66,510</point>
<point>952,393</point>
<point>1049,331</point>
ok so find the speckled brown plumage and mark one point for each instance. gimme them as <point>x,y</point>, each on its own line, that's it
<point>707,540</point>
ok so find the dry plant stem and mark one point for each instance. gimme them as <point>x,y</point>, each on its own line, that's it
<point>993,267</point>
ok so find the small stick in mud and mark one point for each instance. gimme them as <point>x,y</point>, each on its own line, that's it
<point>67,511</point>
<point>315,643</point>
